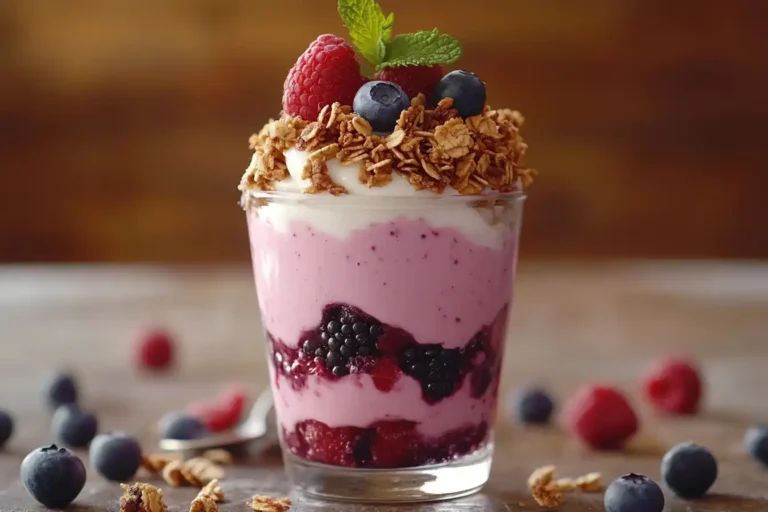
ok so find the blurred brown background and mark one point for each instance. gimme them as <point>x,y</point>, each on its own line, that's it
<point>123,125</point>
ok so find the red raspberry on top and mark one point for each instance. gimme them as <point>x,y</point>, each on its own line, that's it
<point>413,79</point>
<point>326,72</point>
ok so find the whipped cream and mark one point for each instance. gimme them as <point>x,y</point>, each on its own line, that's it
<point>339,216</point>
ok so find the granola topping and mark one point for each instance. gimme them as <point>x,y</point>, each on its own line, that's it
<point>432,149</point>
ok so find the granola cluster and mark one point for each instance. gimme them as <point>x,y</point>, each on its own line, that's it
<point>269,504</point>
<point>432,148</point>
<point>548,491</point>
<point>140,497</point>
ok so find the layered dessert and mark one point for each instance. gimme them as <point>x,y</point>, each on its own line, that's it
<point>384,214</point>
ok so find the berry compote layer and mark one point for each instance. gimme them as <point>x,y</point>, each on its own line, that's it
<point>385,337</point>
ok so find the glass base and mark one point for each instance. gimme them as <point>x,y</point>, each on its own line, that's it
<point>454,479</point>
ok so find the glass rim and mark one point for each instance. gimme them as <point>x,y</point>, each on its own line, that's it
<point>381,201</point>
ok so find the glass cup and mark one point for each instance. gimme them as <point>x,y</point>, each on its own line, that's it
<point>385,321</point>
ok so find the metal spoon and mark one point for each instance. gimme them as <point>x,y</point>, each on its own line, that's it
<point>260,424</point>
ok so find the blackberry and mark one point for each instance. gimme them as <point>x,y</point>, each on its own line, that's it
<point>438,369</point>
<point>344,334</point>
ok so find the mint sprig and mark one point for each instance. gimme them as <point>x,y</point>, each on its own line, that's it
<point>424,48</point>
<point>371,33</point>
<point>369,29</point>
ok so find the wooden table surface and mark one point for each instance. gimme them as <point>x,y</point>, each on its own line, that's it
<point>572,323</point>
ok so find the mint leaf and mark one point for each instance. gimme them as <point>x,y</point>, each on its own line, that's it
<point>424,48</point>
<point>369,29</point>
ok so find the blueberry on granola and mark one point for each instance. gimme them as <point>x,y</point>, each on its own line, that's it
<point>53,476</point>
<point>466,89</point>
<point>380,103</point>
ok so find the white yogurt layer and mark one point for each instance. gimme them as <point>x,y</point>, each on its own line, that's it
<point>341,215</point>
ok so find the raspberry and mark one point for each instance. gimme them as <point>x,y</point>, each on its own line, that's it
<point>222,413</point>
<point>337,446</point>
<point>601,417</point>
<point>413,79</point>
<point>395,444</point>
<point>326,72</point>
<point>673,386</point>
<point>154,350</point>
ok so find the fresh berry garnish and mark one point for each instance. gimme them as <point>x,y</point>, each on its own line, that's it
<point>340,446</point>
<point>61,389</point>
<point>673,386</point>
<point>532,405</point>
<point>154,350</point>
<point>6,427</point>
<point>222,413</point>
<point>466,89</point>
<point>74,427</point>
<point>394,444</point>
<point>115,456</point>
<point>756,443</point>
<point>326,72</point>
<point>689,470</point>
<point>176,425</point>
<point>413,79</point>
<point>381,103</point>
<point>601,417</point>
<point>53,476</point>
<point>633,493</point>
<point>438,369</point>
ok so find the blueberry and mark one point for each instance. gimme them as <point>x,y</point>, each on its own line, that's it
<point>176,425</point>
<point>689,470</point>
<point>53,476</point>
<point>6,427</point>
<point>633,493</point>
<point>756,443</point>
<point>532,406</point>
<point>466,89</point>
<point>115,456</point>
<point>73,426</point>
<point>380,103</point>
<point>61,389</point>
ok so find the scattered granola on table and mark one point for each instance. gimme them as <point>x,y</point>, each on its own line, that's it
<point>269,504</point>
<point>203,504</point>
<point>139,497</point>
<point>548,491</point>
<point>219,456</point>
<point>154,463</point>
<point>196,472</point>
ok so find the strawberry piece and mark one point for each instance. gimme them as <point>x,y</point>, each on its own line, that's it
<point>154,350</point>
<point>413,79</point>
<point>673,386</point>
<point>222,413</point>
<point>385,374</point>
<point>394,444</point>
<point>327,72</point>
<point>337,446</point>
<point>601,417</point>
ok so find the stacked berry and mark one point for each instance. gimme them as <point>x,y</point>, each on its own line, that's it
<point>345,333</point>
<point>438,369</point>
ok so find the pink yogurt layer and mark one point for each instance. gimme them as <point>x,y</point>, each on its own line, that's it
<point>431,282</point>
<point>355,401</point>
